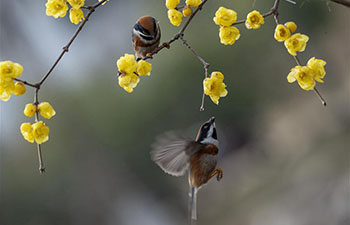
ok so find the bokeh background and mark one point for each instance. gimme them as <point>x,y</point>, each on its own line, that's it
<point>285,157</point>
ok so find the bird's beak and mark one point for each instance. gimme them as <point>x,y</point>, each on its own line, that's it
<point>212,120</point>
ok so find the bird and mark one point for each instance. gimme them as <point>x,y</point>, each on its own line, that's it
<point>145,36</point>
<point>177,155</point>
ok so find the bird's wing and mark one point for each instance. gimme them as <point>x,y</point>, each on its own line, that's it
<point>172,152</point>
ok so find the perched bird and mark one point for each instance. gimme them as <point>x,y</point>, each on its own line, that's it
<point>145,36</point>
<point>175,155</point>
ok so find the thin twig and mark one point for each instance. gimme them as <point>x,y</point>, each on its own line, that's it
<point>26,83</point>
<point>342,2</point>
<point>205,66</point>
<point>40,156</point>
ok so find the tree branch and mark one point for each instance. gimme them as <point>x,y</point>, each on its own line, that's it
<point>342,2</point>
<point>205,66</point>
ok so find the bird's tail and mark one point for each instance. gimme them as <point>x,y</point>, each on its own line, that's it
<point>193,204</point>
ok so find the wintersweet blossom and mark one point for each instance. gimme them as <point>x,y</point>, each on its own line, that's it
<point>20,88</point>
<point>317,66</point>
<point>228,35</point>
<point>8,72</point>
<point>296,43</point>
<point>56,8</point>
<point>291,26</point>
<point>127,63</point>
<point>10,69</point>
<point>46,110</point>
<point>175,17</point>
<point>282,33</point>
<point>304,75</point>
<point>76,4</point>
<point>171,4</point>
<point>215,87</point>
<point>254,20</point>
<point>187,11</point>
<point>40,132</point>
<point>30,110</point>
<point>225,17</point>
<point>76,15</point>
<point>143,68</point>
<point>193,3</point>
<point>27,132</point>
<point>128,81</point>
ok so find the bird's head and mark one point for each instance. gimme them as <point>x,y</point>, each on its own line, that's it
<point>207,133</point>
<point>146,28</point>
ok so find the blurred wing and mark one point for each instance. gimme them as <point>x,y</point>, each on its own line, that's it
<point>171,153</point>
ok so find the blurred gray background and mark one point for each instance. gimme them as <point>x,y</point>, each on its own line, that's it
<point>285,157</point>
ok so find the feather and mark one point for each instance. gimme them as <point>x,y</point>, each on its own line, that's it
<point>172,152</point>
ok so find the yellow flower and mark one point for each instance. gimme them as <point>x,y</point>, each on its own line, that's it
<point>7,87</point>
<point>225,17</point>
<point>171,4</point>
<point>104,2</point>
<point>175,17</point>
<point>304,75</point>
<point>143,68</point>
<point>193,3</point>
<point>20,88</point>
<point>10,69</point>
<point>291,26</point>
<point>76,15</point>
<point>282,33</point>
<point>296,43</point>
<point>254,20</point>
<point>187,11</point>
<point>214,86</point>
<point>30,110</point>
<point>56,8</point>
<point>127,63</point>
<point>76,4</point>
<point>228,35</point>
<point>317,66</point>
<point>27,132</point>
<point>128,81</point>
<point>46,110</point>
<point>40,132</point>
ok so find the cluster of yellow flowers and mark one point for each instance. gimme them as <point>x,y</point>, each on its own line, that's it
<point>130,70</point>
<point>294,43</point>
<point>305,75</point>
<point>174,15</point>
<point>38,131</point>
<point>226,17</point>
<point>215,87</point>
<point>8,72</point>
<point>309,74</point>
<point>59,8</point>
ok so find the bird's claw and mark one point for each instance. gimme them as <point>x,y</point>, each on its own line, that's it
<point>219,174</point>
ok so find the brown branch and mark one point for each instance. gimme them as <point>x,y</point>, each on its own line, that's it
<point>179,34</point>
<point>26,83</point>
<point>37,86</point>
<point>342,2</point>
<point>205,66</point>
<point>65,49</point>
